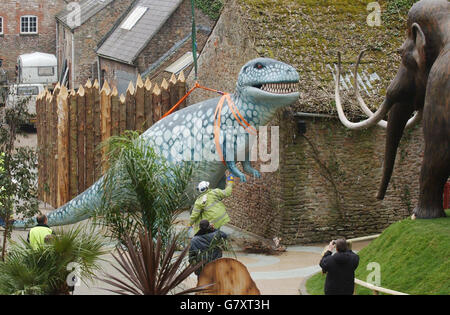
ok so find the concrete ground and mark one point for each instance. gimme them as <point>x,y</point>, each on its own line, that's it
<point>282,274</point>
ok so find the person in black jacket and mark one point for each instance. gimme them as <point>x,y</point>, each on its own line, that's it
<point>205,245</point>
<point>340,268</point>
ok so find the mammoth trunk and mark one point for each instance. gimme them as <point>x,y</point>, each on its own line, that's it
<point>398,116</point>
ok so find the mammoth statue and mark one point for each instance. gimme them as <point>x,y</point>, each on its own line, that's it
<point>422,86</point>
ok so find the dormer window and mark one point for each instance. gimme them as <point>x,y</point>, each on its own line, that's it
<point>1,25</point>
<point>28,24</point>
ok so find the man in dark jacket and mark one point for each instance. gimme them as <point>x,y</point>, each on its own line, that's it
<point>340,268</point>
<point>205,245</point>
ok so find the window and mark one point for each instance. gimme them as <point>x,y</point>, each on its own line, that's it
<point>28,24</point>
<point>133,18</point>
<point>182,63</point>
<point>1,25</point>
<point>45,71</point>
<point>27,90</point>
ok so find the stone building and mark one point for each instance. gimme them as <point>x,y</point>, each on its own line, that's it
<point>26,27</point>
<point>80,27</point>
<point>328,176</point>
<point>152,36</point>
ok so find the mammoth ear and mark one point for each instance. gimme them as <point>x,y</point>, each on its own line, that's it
<point>420,42</point>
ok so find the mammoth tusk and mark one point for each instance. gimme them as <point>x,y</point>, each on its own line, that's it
<point>372,120</point>
<point>382,123</point>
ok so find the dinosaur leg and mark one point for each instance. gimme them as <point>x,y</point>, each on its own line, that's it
<point>250,170</point>
<point>231,165</point>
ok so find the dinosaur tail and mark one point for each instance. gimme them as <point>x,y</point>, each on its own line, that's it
<point>78,209</point>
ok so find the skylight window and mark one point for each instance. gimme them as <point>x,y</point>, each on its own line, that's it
<point>182,63</point>
<point>133,18</point>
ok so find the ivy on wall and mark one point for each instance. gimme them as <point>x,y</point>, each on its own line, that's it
<point>211,8</point>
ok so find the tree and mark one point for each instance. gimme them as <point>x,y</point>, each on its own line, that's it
<point>142,192</point>
<point>149,268</point>
<point>50,269</point>
<point>18,177</point>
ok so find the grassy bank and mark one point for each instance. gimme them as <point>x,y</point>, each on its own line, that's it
<point>414,257</point>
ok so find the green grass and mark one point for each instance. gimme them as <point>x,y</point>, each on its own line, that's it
<point>414,257</point>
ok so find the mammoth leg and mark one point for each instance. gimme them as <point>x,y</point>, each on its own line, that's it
<point>436,130</point>
<point>433,175</point>
<point>398,116</point>
<point>436,161</point>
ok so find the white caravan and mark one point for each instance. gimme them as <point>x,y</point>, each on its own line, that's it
<point>37,68</point>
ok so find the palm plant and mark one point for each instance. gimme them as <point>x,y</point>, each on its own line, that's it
<point>45,270</point>
<point>150,268</point>
<point>141,190</point>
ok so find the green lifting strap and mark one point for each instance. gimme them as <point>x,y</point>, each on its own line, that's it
<point>194,39</point>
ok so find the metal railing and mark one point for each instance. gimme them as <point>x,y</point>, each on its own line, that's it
<point>375,289</point>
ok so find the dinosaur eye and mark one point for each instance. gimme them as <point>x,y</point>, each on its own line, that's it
<point>258,66</point>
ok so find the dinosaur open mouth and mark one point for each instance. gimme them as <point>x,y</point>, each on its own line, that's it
<point>279,88</point>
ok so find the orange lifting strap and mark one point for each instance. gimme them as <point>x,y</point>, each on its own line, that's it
<point>237,115</point>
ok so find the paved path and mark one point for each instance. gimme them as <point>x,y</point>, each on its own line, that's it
<point>280,274</point>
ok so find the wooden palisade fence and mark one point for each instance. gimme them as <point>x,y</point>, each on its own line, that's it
<point>71,125</point>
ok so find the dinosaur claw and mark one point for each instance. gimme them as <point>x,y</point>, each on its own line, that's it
<point>256,174</point>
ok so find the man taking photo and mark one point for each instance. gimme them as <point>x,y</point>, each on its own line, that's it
<point>340,268</point>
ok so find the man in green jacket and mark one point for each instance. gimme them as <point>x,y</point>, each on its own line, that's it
<point>37,235</point>
<point>209,205</point>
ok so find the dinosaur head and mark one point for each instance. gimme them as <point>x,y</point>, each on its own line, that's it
<point>268,82</point>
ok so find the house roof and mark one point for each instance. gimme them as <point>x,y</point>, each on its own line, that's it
<point>87,9</point>
<point>131,36</point>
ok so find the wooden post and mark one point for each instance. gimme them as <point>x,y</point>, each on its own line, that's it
<point>81,137</point>
<point>173,91</point>
<point>39,142</point>
<point>54,140</point>
<point>165,97</point>
<point>73,145</point>
<point>115,113</point>
<point>63,141</point>
<point>156,103</point>
<point>105,105</point>
<point>47,145</point>
<point>122,114</point>
<point>181,86</point>
<point>97,132</point>
<point>89,97</point>
<point>140,105</point>
<point>148,104</point>
<point>131,107</point>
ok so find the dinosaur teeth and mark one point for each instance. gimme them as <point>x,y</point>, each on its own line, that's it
<point>280,88</point>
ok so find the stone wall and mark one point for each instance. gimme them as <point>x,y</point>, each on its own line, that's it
<point>326,184</point>
<point>226,51</point>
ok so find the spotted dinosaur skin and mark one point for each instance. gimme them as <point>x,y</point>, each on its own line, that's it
<point>264,85</point>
